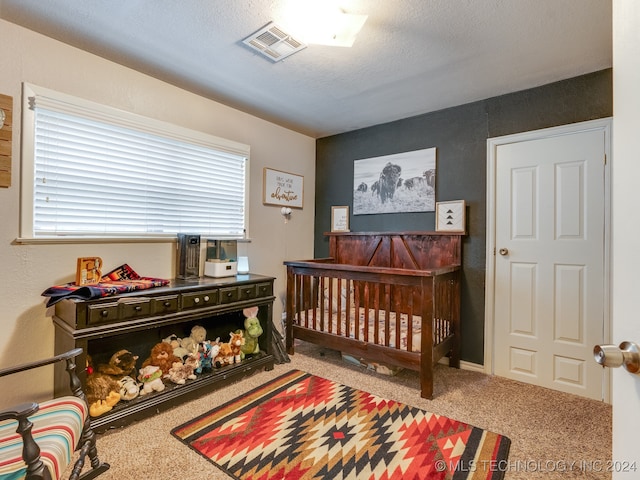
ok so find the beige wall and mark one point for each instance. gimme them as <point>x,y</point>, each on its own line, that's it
<point>27,270</point>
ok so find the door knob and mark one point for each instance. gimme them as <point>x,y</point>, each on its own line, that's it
<point>626,355</point>
<point>504,251</point>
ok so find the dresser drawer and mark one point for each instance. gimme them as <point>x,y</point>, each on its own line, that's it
<point>247,292</point>
<point>164,305</point>
<point>103,313</point>
<point>204,299</point>
<point>135,308</point>
<point>264,289</point>
<point>229,295</point>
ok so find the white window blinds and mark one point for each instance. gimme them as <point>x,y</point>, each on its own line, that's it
<point>111,177</point>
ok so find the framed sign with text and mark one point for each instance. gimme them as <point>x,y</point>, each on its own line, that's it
<point>282,188</point>
<point>340,219</point>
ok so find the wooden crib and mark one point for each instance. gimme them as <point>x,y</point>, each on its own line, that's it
<point>389,297</point>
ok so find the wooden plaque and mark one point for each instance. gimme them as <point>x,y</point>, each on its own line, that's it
<point>6,105</point>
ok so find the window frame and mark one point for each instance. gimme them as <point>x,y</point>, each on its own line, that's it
<point>103,113</point>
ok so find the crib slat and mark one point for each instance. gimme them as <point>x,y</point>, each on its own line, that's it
<point>409,321</point>
<point>387,314</point>
<point>349,290</point>
<point>366,312</point>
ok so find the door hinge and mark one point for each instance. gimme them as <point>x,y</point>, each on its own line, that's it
<point>605,158</point>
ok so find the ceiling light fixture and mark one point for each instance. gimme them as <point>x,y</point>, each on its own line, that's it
<point>323,23</point>
<point>338,30</point>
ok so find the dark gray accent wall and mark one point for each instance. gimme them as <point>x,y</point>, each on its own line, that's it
<point>460,136</point>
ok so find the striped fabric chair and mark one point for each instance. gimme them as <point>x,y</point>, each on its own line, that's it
<point>38,441</point>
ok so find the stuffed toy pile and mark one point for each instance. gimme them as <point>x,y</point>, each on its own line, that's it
<point>173,360</point>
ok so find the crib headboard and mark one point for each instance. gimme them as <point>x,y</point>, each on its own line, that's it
<point>408,250</point>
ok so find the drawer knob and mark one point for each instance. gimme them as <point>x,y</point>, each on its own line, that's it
<point>206,298</point>
<point>137,308</point>
<point>167,304</point>
<point>229,294</point>
<point>196,300</point>
<point>104,313</point>
<point>248,291</point>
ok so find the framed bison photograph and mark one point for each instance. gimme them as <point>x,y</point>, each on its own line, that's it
<point>398,183</point>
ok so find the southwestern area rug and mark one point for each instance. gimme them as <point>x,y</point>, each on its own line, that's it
<point>300,426</point>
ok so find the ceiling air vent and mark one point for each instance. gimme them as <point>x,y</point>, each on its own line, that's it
<point>272,42</point>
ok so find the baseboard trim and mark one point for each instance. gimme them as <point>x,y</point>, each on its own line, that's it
<point>464,365</point>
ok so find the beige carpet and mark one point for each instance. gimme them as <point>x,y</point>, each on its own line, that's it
<point>549,430</point>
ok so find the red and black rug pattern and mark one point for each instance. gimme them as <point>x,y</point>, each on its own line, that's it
<point>300,426</point>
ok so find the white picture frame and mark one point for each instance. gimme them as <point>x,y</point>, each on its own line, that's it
<point>340,219</point>
<point>451,216</point>
<point>282,188</point>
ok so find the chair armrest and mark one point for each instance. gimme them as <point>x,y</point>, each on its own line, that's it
<point>74,382</point>
<point>19,411</point>
<point>30,449</point>
<point>41,363</point>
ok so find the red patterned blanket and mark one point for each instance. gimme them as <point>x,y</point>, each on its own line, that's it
<point>120,280</point>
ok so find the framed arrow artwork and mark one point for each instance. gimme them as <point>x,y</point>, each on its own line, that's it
<point>450,216</point>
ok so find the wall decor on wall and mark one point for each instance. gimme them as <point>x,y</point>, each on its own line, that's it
<point>340,219</point>
<point>402,182</point>
<point>450,216</point>
<point>282,188</point>
<point>6,120</point>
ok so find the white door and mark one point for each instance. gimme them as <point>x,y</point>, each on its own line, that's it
<point>549,264</point>
<point>626,232</point>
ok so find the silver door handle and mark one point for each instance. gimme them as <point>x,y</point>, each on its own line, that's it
<point>626,355</point>
<point>503,251</point>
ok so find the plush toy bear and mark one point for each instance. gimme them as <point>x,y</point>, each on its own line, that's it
<point>162,356</point>
<point>198,334</point>
<point>252,330</point>
<point>102,391</point>
<point>121,364</point>
<point>151,378</point>
<point>129,388</point>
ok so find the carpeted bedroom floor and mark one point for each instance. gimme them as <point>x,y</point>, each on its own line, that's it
<point>553,435</point>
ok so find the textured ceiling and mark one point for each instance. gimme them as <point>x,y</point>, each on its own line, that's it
<point>411,57</point>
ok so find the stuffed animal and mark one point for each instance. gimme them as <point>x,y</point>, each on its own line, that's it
<point>151,378</point>
<point>176,343</point>
<point>129,388</point>
<point>198,334</point>
<point>179,373</point>
<point>192,361</point>
<point>225,355</point>
<point>121,364</point>
<point>102,391</point>
<point>162,356</point>
<point>252,330</point>
<point>207,352</point>
<point>236,342</point>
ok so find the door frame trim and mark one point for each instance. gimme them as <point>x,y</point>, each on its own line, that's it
<point>603,124</point>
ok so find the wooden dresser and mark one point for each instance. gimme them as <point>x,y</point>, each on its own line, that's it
<point>138,320</point>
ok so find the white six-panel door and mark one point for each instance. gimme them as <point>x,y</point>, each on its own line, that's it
<point>549,262</point>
